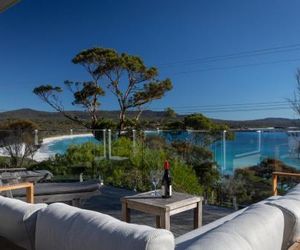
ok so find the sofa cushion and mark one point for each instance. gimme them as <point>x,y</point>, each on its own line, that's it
<point>197,232</point>
<point>291,204</point>
<point>295,189</point>
<point>60,226</point>
<point>260,227</point>
<point>17,221</point>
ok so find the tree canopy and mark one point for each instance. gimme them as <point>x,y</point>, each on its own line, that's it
<point>17,138</point>
<point>126,76</point>
<point>198,121</point>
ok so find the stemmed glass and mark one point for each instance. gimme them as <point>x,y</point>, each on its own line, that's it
<point>155,176</point>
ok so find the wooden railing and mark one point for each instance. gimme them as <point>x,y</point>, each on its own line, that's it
<point>275,179</point>
<point>27,185</point>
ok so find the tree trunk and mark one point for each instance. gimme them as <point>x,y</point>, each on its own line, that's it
<point>122,121</point>
<point>138,115</point>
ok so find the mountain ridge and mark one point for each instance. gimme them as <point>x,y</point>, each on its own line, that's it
<point>32,114</point>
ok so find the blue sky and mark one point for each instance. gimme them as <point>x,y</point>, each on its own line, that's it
<point>39,38</point>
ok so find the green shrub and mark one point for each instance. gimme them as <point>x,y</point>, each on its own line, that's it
<point>132,173</point>
<point>184,178</point>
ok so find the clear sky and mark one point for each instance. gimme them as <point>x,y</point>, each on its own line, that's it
<point>38,39</point>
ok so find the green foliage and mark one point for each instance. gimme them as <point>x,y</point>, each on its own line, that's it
<point>122,147</point>
<point>83,154</point>
<point>201,122</point>
<point>200,158</point>
<point>46,89</point>
<point>184,178</point>
<point>253,184</point>
<point>170,113</point>
<point>198,122</point>
<point>175,125</point>
<point>17,138</point>
<point>132,173</point>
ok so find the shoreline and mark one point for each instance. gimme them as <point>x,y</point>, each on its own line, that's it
<point>48,140</point>
<point>43,152</point>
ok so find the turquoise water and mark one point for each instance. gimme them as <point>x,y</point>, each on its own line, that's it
<point>61,146</point>
<point>250,148</point>
<point>246,149</point>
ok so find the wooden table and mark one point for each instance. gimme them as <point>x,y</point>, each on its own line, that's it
<point>29,189</point>
<point>163,208</point>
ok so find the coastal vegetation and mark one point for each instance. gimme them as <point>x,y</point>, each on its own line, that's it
<point>252,184</point>
<point>133,172</point>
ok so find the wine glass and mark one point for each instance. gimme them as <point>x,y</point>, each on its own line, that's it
<point>101,180</point>
<point>155,176</point>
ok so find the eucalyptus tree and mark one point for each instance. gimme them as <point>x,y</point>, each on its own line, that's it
<point>132,83</point>
<point>127,77</point>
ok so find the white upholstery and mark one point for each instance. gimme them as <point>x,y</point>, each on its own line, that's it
<point>295,189</point>
<point>63,227</point>
<point>252,229</point>
<point>17,221</point>
<point>291,204</point>
<point>197,232</point>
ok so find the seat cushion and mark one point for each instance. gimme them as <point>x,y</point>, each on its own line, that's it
<point>260,227</point>
<point>17,221</point>
<point>60,226</point>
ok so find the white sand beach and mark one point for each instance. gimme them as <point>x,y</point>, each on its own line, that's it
<point>43,152</point>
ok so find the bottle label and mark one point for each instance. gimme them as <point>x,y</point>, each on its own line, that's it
<point>170,190</point>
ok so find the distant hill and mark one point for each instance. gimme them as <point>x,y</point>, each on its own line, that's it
<point>262,123</point>
<point>55,118</point>
<point>36,114</point>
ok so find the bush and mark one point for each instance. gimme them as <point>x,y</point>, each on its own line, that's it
<point>132,173</point>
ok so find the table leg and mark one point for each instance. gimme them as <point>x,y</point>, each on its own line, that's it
<point>157,221</point>
<point>125,212</point>
<point>30,194</point>
<point>198,215</point>
<point>165,220</point>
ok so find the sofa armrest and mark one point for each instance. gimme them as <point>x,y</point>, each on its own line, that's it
<point>18,221</point>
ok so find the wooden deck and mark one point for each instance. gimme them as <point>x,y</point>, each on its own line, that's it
<point>109,203</point>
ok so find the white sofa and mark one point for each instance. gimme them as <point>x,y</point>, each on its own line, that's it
<point>268,225</point>
<point>271,224</point>
<point>62,227</point>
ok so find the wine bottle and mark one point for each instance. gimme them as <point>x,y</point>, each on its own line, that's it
<point>166,187</point>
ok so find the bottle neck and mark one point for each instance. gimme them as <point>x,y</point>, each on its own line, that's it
<point>167,172</point>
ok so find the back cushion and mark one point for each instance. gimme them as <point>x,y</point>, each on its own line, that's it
<point>260,227</point>
<point>60,226</point>
<point>17,221</point>
<point>291,204</point>
<point>295,189</point>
